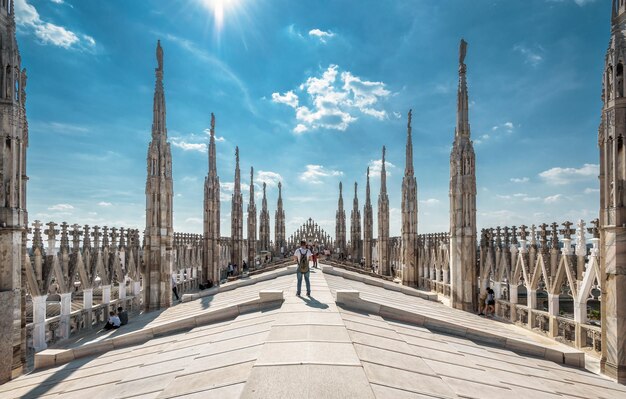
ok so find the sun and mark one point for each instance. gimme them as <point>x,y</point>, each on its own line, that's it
<point>220,8</point>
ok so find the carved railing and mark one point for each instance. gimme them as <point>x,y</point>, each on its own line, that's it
<point>433,263</point>
<point>555,260</point>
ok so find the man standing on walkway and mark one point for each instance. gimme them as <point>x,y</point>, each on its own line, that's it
<point>302,257</point>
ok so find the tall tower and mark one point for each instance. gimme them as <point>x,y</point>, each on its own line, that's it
<point>279,220</point>
<point>211,215</point>
<point>340,224</point>
<point>264,228</point>
<point>13,214</point>
<point>611,136</point>
<point>409,215</point>
<point>159,234</point>
<point>236,218</point>
<point>251,222</point>
<point>368,224</point>
<point>383,222</point>
<point>355,228</point>
<point>462,201</point>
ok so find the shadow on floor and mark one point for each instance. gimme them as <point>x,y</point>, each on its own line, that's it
<point>314,303</point>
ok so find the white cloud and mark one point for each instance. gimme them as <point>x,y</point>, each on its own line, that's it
<point>531,56</point>
<point>314,173</point>
<point>185,146</point>
<point>290,98</point>
<point>519,179</point>
<point>376,167</point>
<point>104,203</point>
<point>321,35</point>
<point>194,220</point>
<point>61,207</point>
<point>561,176</point>
<point>531,199</point>
<point>430,201</point>
<point>26,16</point>
<point>267,177</point>
<point>592,190</point>
<point>334,100</point>
<point>580,3</point>
<point>508,127</point>
<point>553,199</point>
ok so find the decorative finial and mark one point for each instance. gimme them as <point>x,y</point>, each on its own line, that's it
<point>237,154</point>
<point>340,187</point>
<point>355,186</point>
<point>212,124</point>
<point>409,122</point>
<point>368,173</point>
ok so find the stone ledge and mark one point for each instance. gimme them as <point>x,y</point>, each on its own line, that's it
<point>239,283</point>
<point>268,299</point>
<point>558,354</point>
<point>379,283</point>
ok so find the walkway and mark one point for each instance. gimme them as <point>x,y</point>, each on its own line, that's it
<point>312,348</point>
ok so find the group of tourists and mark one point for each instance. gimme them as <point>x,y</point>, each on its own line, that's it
<point>117,319</point>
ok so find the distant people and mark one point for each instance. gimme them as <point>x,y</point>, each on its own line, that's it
<point>482,302</point>
<point>316,253</point>
<point>244,266</point>
<point>491,303</point>
<point>113,323</point>
<point>302,256</point>
<point>230,270</point>
<point>175,288</point>
<point>207,284</point>
<point>123,315</point>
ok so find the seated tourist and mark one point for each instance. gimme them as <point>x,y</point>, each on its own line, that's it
<point>123,315</point>
<point>113,323</point>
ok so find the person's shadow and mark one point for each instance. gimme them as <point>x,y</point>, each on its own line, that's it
<point>314,303</point>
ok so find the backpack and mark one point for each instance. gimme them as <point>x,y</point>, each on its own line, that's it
<point>303,263</point>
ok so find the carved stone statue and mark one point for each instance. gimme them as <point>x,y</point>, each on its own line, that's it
<point>462,51</point>
<point>159,55</point>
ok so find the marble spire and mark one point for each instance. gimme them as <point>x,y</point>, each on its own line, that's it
<point>410,275</point>
<point>252,244</point>
<point>264,228</point>
<point>279,220</point>
<point>462,202</point>
<point>368,225</point>
<point>340,224</point>
<point>236,218</point>
<point>384,267</point>
<point>159,234</point>
<point>211,215</point>
<point>13,213</point>
<point>355,228</point>
<point>611,132</point>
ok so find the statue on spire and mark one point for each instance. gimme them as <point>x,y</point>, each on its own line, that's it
<point>159,55</point>
<point>212,124</point>
<point>410,117</point>
<point>462,52</point>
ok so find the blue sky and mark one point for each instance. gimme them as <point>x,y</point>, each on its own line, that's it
<point>310,91</point>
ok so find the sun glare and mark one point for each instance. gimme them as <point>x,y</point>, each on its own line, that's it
<point>219,8</point>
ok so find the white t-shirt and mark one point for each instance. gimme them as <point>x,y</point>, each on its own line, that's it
<point>302,251</point>
<point>115,320</point>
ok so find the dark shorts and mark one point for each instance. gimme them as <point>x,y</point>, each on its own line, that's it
<point>491,303</point>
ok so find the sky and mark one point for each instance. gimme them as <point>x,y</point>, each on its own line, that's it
<point>310,91</point>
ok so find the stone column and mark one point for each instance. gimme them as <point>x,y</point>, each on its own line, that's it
<point>122,289</point>
<point>513,301</point>
<point>88,305</point>
<point>106,300</point>
<point>66,309</point>
<point>39,322</point>
<point>532,304</point>
<point>553,309</point>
